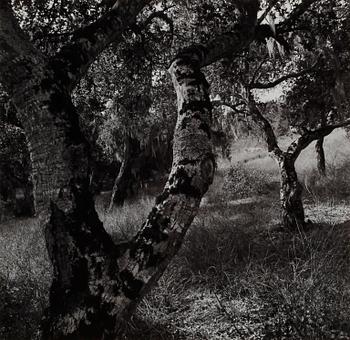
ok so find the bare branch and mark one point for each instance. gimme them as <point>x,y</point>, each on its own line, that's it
<point>160,15</point>
<point>233,107</point>
<point>257,85</point>
<point>311,135</point>
<point>265,125</point>
<point>255,75</point>
<point>279,80</point>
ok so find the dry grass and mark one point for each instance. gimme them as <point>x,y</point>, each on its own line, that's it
<point>237,276</point>
<point>24,279</point>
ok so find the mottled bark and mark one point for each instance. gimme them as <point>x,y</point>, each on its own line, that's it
<point>293,216</point>
<point>45,111</point>
<point>320,157</point>
<point>97,282</point>
<point>292,211</point>
<point>40,90</point>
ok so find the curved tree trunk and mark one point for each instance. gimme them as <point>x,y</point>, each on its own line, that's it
<point>293,216</point>
<point>96,282</point>
<point>320,157</point>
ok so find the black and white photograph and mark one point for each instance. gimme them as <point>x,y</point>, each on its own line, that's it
<point>174,169</point>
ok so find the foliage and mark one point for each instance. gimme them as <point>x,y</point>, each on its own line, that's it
<point>242,182</point>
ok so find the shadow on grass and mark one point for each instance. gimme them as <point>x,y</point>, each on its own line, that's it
<point>139,328</point>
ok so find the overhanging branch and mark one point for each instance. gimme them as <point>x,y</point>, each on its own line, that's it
<point>295,15</point>
<point>311,135</point>
<point>280,80</point>
<point>87,43</point>
<point>258,85</point>
<point>265,125</point>
<point>233,107</point>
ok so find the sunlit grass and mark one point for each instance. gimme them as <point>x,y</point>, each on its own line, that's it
<point>237,276</point>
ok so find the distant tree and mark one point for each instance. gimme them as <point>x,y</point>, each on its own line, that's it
<point>314,104</point>
<point>293,216</point>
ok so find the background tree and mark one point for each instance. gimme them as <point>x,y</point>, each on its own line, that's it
<point>310,71</point>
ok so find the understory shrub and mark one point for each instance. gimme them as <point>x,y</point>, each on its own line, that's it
<point>243,182</point>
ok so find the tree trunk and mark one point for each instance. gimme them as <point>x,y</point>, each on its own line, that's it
<point>293,216</point>
<point>97,282</point>
<point>119,191</point>
<point>320,156</point>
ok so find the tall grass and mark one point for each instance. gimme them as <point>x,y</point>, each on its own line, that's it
<point>237,276</point>
<point>25,277</point>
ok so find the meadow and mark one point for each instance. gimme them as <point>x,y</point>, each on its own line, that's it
<point>239,275</point>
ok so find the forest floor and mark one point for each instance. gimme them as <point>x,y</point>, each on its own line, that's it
<point>239,275</point>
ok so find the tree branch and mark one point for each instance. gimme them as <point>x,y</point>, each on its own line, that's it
<point>265,125</point>
<point>160,15</point>
<point>258,85</point>
<point>255,75</point>
<point>17,56</point>
<point>73,60</point>
<point>267,11</point>
<point>311,135</point>
<point>278,81</point>
<point>295,15</point>
<point>216,103</point>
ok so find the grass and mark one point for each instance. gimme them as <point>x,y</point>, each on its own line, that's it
<point>237,276</point>
<point>24,279</point>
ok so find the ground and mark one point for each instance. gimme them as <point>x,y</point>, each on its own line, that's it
<point>239,275</point>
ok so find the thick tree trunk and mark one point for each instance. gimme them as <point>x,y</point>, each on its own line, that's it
<point>96,282</point>
<point>320,157</point>
<point>293,216</point>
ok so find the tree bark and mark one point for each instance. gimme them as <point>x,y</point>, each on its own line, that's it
<point>293,216</point>
<point>119,190</point>
<point>97,282</point>
<point>292,210</point>
<point>320,157</point>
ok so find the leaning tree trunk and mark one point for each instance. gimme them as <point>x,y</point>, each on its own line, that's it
<point>119,190</point>
<point>293,216</point>
<point>320,157</point>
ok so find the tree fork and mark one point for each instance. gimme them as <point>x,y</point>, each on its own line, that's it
<point>96,282</point>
